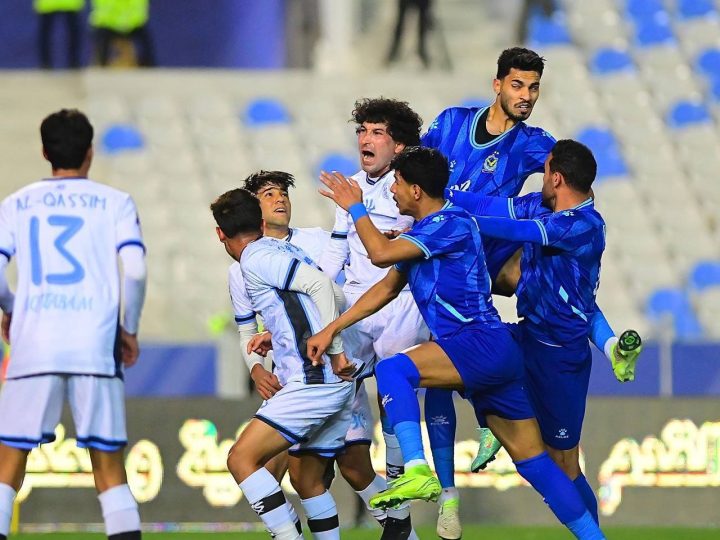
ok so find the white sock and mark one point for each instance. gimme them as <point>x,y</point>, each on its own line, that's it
<point>322,517</point>
<point>7,498</point>
<point>395,465</point>
<point>263,493</point>
<point>376,486</point>
<point>607,348</point>
<point>448,494</point>
<point>119,510</point>
<point>415,463</point>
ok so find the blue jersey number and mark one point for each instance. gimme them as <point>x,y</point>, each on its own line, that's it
<point>70,226</point>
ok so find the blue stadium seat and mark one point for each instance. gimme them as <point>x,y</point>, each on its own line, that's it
<point>705,274</point>
<point>715,89</point>
<point>674,303</point>
<point>691,9</point>
<point>687,113</point>
<point>548,31</point>
<point>342,163</point>
<point>263,111</point>
<point>644,10</point>
<point>606,149</point>
<point>654,32</point>
<point>120,138</point>
<point>608,60</point>
<point>708,62</point>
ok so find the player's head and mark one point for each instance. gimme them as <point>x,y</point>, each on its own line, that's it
<point>239,220</point>
<point>517,82</point>
<point>420,173</point>
<point>271,188</point>
<point>67,140</point>
<point>384,128</point>
<point>571,164</point>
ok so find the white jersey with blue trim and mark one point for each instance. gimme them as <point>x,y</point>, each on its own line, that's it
<point>65,234</point>
<point>346,246</point>
<point>268,267</point>
<point>312,240</point>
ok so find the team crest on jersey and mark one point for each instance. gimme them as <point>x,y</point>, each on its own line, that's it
<point>490,163</point>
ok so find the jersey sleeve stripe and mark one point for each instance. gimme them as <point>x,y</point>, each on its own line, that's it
<point>543,232</point>
<point>6,253</point>
<point>240,319</point>
<point>511,209</point>
<point>339,235</point>
<point>291,274</point>
<point>131,243</point>
<point>418,243</point>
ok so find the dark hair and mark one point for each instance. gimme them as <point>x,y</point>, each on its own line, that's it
<point>403,124</point>
<point>425,167</point>
<point>260,179</point>
<point>519,58</point>
<point>236,212</point>
<point>66,138</point>
<point>575,162</point>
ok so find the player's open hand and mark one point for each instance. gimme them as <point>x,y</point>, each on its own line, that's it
<point>317,345</point>
<point>342,367</point>
<point>129,348</point>
<point>5,327</point>
<point>260,343</point>
<point>344,191</point>
<point>266,383</point>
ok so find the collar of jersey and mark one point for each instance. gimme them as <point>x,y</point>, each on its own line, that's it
<point>473,127</point>
<point>289,234</point>
<point>63,178</point>
<point>587,202</point>
<point>373,182</point>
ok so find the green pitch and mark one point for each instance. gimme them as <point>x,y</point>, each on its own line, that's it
<point>428,533</point>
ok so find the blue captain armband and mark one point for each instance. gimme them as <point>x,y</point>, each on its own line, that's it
<point>357,211</point>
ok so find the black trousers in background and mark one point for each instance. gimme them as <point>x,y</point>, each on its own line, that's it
<point>140,38</point>
<point>72,25</point>
<point>423,8</point>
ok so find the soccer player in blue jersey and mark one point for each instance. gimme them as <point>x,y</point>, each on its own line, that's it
<point>473,350</point>
<point>492,151</point>
<point>564,239</point>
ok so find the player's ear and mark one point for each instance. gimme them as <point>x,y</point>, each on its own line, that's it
<point>399,147</point>
<point>497,84</point>
<point>221,235</point>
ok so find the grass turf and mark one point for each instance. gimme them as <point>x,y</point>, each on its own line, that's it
<point>428,533</point>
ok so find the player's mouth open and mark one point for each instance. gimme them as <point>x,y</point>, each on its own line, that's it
<point>280,210</point>
<point>367,155</point>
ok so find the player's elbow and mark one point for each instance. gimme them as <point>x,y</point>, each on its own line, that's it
<point>381,259</point>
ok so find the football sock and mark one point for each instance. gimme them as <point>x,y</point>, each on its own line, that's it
<point>376,486</point>
<point>322,517</point>
<point>263,492</point>
<point>397,379</point>
<point>441,421</point>
<point>7,498</point>
<point>120,513</point>
<point>588,496</point>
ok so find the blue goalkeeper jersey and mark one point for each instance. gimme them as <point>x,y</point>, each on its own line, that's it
<point>498,167</point>
<point>560,277</point>
<point>450,284</point>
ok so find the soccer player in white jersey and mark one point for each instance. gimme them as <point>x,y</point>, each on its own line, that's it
<point>63,322</point>
<point>384,128</point>
<point>272,190</point>
<point>312,410</point>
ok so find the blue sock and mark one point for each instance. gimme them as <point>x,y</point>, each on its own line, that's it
<point>588,496</point>
<point>397,378</point>
<point>441,423</point>
<point>600,330</point>
<point>559,493</point>
<point>585,528</point>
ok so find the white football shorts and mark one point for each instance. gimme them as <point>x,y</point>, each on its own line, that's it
<point>30,409</point>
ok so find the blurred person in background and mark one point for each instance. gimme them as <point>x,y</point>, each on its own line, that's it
<point>423,8</point>
<point>49,13</point>
<point>126,20</point>
<point>69,234</point>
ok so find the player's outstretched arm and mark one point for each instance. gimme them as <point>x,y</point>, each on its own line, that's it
<point>480,205</point>
<point>516,230</point>
<point>383,252</point>
<point>374,299</point>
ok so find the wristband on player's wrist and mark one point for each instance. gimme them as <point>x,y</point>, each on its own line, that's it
<point>357,211</point>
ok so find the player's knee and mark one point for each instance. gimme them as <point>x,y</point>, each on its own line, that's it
<point>307,486</point>
<point>242,461</point>
<point>567,460</point>
<point>356,473</point>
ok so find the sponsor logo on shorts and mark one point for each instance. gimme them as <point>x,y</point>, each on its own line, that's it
<point>562,434</point>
